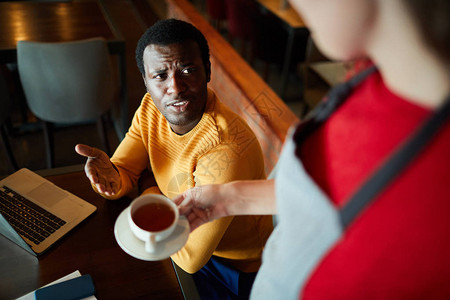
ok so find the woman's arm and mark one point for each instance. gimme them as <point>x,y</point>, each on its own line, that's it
<point>209,202</point>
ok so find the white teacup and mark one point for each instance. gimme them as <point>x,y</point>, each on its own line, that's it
<point>152,218</point>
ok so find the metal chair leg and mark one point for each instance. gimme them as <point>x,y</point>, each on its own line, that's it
<point>49,143</point>
<point>101,128</point>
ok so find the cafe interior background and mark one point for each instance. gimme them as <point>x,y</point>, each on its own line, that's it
<point>309,76</point>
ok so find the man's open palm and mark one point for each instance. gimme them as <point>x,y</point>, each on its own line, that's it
<point>99,169</point>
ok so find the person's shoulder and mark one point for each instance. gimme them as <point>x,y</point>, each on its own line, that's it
<point>227,121</point>
<point>146,103</point>
<point>147,109</point>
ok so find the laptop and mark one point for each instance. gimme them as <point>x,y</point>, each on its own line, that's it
<point>35,213</point>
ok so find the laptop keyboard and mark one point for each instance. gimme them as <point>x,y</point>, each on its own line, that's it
<point>27,218</point>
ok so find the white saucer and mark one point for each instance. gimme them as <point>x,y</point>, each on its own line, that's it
<point>135,247</point>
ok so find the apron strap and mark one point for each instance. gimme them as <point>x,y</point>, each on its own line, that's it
<point>397,162</point>
<point>337,95</point>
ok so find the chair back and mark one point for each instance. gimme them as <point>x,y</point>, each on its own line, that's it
<point>68,82</point>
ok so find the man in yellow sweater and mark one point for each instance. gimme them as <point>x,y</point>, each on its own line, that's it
<point>187,137</point>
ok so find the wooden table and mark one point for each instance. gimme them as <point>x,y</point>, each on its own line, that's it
<point>295,26</point>
<point>90,248</point>
<point>62,22</point>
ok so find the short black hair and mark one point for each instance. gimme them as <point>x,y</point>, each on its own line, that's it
<point>171,31</point>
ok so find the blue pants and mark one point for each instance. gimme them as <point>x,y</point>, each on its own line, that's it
<point>217,280</point>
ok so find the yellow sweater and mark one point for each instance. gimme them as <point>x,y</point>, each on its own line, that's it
<point>221,148</point>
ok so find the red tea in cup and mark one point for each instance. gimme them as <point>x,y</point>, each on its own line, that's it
<point>154,216</point>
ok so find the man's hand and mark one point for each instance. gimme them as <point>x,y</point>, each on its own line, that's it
<point>100,170</point>
<point>202,204</point>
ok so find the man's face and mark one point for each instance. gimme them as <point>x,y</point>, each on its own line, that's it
<point>176,79</point>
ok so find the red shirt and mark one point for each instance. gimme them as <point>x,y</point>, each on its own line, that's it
<point>400,246</point>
